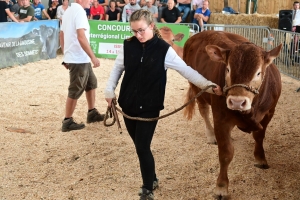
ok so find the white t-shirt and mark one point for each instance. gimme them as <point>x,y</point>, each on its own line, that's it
<point>75,18</point>
<point>296,21</point>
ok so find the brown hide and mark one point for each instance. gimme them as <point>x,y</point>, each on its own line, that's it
<point>169,37</point>
<point>217,55</point>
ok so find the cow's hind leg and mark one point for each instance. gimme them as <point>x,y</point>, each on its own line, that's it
<point>204,111</point>
<point>259,152</point>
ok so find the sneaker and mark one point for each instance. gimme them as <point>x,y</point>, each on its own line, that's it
<point>94,116</point>
<point>146,194</point>
<point>70,124</point>
<point>155,186</point>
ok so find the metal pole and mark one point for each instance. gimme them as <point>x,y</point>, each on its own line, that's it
<point>249,6</point>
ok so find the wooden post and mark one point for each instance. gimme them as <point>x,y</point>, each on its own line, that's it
<point>225,3</point>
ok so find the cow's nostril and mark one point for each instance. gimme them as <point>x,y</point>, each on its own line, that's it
<point>243,104</point>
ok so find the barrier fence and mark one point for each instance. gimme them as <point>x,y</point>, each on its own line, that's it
<point>288,61</point>
<point>107,37</point>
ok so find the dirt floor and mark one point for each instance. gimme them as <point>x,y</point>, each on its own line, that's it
<point>99,163</point>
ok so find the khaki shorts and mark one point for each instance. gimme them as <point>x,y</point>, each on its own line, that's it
<point>82,78</point>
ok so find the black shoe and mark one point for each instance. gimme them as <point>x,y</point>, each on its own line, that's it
<point>94,116</point>
<point>70,124</point>
<point>155,186</point>
<point>146,194</point>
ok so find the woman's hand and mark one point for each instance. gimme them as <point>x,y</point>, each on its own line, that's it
<point>217,90</point>
<point>109,100</point>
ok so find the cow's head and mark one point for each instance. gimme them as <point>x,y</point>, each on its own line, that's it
<point>168,36</point>
<point>246,66</point>
<point>44,32</point>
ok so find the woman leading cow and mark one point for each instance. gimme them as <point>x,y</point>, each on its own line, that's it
<point>145,58</point>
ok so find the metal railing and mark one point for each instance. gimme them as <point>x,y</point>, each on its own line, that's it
<point>288,61</point>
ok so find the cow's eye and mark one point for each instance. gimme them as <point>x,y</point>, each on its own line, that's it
<point>227,70</point>
<point>258,74</point>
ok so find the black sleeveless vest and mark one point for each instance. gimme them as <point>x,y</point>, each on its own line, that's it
<point>144,81</point>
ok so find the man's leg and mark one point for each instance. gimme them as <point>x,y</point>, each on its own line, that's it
<point>186,12</point>
<point>70,107</point>
<point>90,92</point>
<point>91,98</point>
<point>68,124</point>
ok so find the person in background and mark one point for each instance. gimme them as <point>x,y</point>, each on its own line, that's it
<point>50,2</point>
<point>144,59</point>
<point>38,10</point>
<point>170,14</point>
<point>142,3</point>
<point>161,5</point>
<point>97,11</point>
<point>26,12</point>
<point>104,4</point>
<point>88,10</point>
<point>62,9</point>
<point>128,9</point>
<point>53,9</point>
<point>112,13</point>
<point>152,8</point>
<point>5,11</point>
<point>15,8</point>
<point>197,4</point>
<point>185,7</point>
<point>121,4</point>
<point>202,15</point>
<point>296,22</point>
<point>74,41</point>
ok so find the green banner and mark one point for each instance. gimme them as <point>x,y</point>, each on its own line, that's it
<point>106,37</point>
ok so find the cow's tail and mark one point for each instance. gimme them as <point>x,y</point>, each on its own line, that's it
<point>189,110</point>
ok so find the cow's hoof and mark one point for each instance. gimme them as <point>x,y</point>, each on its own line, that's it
<point>221,193</point>
<point>219,197</point>
<point>262,166</point>
<point>212,142</point>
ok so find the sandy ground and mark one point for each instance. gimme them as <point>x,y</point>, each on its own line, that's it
<point>100,163</point>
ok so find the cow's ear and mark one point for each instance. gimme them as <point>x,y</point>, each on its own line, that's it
<point>35,31</point>
<point>49,32</point>
<point>178,37</point>
<point>216,53</point>
<point>271,55</point>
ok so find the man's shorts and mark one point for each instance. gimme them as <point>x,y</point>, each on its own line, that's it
<point>82,78</point>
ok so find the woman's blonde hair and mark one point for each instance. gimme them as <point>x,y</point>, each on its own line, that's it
<point>144,15</point>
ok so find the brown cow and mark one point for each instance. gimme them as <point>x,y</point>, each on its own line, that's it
<point>252,86</point>
<point>168,36</point>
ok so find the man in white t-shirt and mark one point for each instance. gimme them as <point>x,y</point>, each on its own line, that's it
<point>74,39</point>
<point>296,22</point>
<point>296,15</point>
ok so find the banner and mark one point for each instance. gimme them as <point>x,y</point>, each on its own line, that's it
<point>106,37</point>
<point>21,43</point>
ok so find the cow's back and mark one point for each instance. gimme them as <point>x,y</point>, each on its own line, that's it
<point>195,55</point>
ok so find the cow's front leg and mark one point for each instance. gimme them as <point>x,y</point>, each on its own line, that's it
<point>226,151</point>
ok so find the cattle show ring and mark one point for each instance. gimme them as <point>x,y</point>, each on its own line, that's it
<point>38,161</point>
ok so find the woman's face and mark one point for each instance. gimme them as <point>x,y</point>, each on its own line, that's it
<point>142,30</point>
<point>112,4</point>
